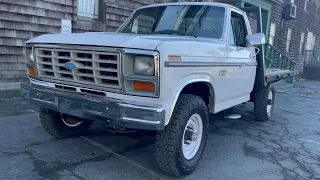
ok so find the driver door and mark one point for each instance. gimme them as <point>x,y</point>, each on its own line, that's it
<point>238,52</point>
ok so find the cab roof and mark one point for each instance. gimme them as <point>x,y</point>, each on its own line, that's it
<point>192,3</point>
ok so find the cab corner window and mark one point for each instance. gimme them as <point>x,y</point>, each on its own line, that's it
<point>231,40</point>
<point>142,24</point>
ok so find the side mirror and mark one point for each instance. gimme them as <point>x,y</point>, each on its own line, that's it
<point>256,39</point>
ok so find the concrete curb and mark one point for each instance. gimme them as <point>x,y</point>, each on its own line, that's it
<point>9,90</point>
<point>9,94</point>
<point>9,86</point>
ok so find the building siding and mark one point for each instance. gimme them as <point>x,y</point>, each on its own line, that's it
<point>21,20</point>
<point>304,22</point>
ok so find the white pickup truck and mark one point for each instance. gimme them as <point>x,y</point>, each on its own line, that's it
<point>166,69</point>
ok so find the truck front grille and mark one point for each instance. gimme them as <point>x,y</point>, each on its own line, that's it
<point>89,67</point>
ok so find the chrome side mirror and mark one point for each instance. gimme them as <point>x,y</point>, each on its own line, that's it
<point>256,39</point>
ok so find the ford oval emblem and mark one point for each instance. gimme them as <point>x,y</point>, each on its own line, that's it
<point>71,66</point>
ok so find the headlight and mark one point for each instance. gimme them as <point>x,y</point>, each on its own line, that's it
<point>29,55</point>
<point>144,65</point>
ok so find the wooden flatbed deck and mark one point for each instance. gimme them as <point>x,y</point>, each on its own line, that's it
<point>273,75</point>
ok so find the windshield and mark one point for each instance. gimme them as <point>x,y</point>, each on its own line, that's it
<point>191,20</point>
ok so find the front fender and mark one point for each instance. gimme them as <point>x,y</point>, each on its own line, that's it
<point>192,78</point>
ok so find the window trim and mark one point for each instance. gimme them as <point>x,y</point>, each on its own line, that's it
<point>98,18</point>
<point>275,32</point>
<point>289,39</point>
<point>245,26</point>
<point>306,5</point>
<point>302,43</point>
<point>314,42</point>
<point>311,41</point>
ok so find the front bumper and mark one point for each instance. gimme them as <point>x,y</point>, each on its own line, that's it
<point>92,107</point>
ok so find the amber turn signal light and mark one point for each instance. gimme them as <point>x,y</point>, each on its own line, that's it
<point>144,86</point>
<point>32,71</point>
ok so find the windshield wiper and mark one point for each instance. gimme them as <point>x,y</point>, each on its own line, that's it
<point>173,32</point>
<point>169,31</point>
<point>189,34</point>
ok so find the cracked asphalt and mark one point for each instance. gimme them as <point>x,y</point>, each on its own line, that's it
<point>286,147</point>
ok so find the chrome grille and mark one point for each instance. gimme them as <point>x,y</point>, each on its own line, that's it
<point>93,67</point>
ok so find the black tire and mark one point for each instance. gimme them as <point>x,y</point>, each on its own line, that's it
<point>262,101</point>
<point>169,141</point>
<point>52,122</point>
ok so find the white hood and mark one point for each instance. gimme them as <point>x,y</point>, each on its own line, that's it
<point>99,39</point>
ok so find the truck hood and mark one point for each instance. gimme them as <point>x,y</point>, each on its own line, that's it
<point>123,40</point>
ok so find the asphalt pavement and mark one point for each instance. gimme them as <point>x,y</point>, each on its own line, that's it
<point>286,147</point>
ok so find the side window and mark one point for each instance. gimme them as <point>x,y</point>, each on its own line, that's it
<point>239,29</point>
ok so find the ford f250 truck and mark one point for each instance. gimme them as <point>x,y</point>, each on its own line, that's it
<point>166,69</point>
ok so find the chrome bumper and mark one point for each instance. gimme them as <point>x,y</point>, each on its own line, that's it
<point>94,107</point>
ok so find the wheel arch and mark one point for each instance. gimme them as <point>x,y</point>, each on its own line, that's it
<point>190,87</point>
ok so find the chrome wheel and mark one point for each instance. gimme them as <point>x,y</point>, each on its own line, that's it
<point>192,136</point>
<point>270,102</point>
<point>70,122</point>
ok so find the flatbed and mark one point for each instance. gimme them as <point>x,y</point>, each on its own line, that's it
<point>272,75</point>
<point>273,65</point>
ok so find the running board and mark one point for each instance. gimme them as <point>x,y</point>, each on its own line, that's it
<point>232,116</point>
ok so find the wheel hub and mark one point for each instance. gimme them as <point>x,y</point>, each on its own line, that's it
<point>192,136</point>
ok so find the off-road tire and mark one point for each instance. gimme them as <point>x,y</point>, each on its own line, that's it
<point>52,122</point>
<point>261,102</point>
<point>169,141</point>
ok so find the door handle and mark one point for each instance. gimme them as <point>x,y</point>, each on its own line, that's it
<point>239,48</point>
<point>242,64</point>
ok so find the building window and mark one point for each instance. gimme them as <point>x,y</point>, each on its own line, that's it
<point>289,36</point>
<point>272,33</point>
<point>88,8</point>
<point>311,41</point>
<point>302,43</point>
<point>305,4</point>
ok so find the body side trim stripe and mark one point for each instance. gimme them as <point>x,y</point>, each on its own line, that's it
<point>208,64</point>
